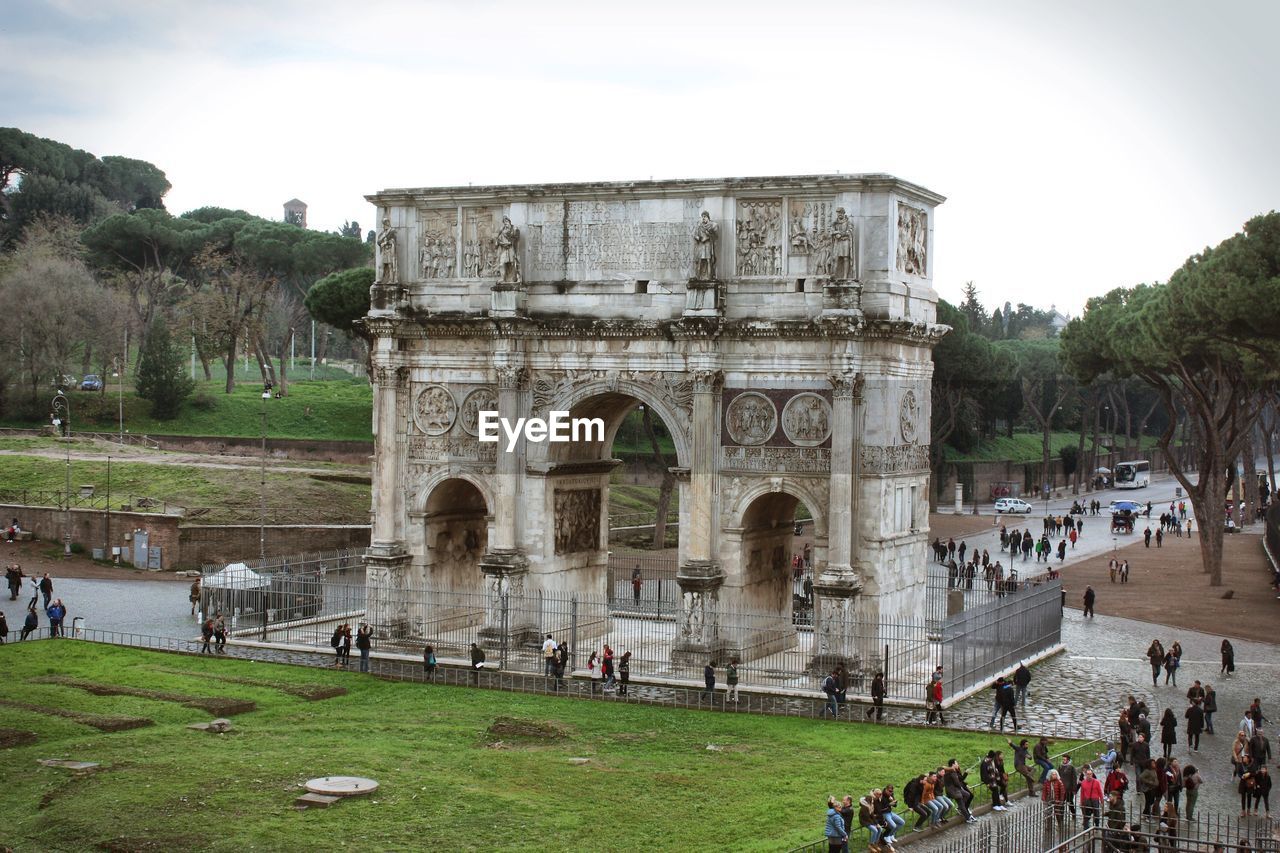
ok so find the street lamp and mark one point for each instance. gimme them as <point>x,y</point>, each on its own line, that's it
<point>262,485</point>
<point>62,420</point>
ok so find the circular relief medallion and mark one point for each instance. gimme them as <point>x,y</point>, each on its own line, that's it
<point>434,410</point>
<point>908,417</point>
<point>479,400</point>
<point>751,419</point>
<point>806,420</point>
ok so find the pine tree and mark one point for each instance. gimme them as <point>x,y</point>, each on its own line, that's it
<point>162,378</point>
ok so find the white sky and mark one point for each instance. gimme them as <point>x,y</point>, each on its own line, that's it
<point>1082,145</point>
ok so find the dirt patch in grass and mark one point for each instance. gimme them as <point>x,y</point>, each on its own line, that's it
<point>511,728</point>
<point>215,705</point>
<point>149,845</point>
<point>9,738</point>
<point>100,722</point>
<point>310,692</point>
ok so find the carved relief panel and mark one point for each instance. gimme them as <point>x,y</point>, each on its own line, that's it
<point>479,400</point>
<point>751,418</point>
<point>806,420</point>
<point>438,243</point>
<point>909,417</point>
<point>808,235</point>
<point>577,520</point>
<point>480,241</point>
<point>759,237</point>
<point>913,231</point>
<point>434,409</point>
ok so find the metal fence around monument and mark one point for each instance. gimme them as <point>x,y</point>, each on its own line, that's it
<point>983,641</point>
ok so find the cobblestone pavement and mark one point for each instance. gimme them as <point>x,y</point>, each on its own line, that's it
<point>1086,687</point>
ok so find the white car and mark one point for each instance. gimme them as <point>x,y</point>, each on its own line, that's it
<point>1013,505</point>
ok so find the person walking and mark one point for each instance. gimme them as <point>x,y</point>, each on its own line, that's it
<point>46,588</point>
<point>206,634</point>
<point>831,689</point>
<point>592,663</point>
<point>606,669</point>
<point>364,642</point>
<point>1149,788</point>
<point>30,623</point>
<point>1006,700</point>
<point>1090,798</point>
<point>220,634</point>
<point>1155,655</point>
<point>1089,596</point>
<point>1210,707</point>
<point>709,680</point>
<point>1262,791</point>
<point>1172,660</point>
<point>1070,783</point>
<point>1191,782</point>
<point>1228,658</point>
<point>1168,731</point>
<point>346,644</point>
<point>429,662</point>
<point>877,697</point>
<point>1195,725</point>
<point>935,694</point>
<point>1259,749</point>
<point>624,675</point>
<point>336,642</point>
<point>1054,793</point>
<point>1021,681</point>
<point>477,664</point>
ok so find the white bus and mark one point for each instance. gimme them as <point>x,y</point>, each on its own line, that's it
<point>1133,475</point>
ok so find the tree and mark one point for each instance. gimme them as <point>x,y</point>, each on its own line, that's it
<point>341,299</point>
<point>229,305</point>
<point>162,376</point>
<point>972,308</point>
<point>1208,343</point>
<point>350,229</point>
<point>1044,387</point>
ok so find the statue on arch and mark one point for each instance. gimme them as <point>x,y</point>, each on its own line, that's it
<point>508,262</point>
<point>705,236</point>
<point>842,267</point>
<point>388,268</point>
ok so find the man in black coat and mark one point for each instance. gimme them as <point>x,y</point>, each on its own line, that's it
<point>1259,750</point>
<point>1021,679</point>
<point>1140,753</point>
<point>957,791</point>
<point>911,794</point>
<point>1006,700</point>
<point>1070,782</point>
<point>877,697</point>
<point>1195,724</point>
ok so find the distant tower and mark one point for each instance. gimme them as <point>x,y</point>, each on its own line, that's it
<point>295,212</point>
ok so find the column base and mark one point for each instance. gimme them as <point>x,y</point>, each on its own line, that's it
<point>386,570</point>
<point>835,592</point>
<point>699,639</point>
<point>507,620</point>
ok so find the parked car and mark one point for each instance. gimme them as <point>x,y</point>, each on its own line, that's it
<point>1013,505</point>
<point>92,382</point>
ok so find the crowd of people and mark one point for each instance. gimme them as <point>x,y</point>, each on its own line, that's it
<point>41,595</point>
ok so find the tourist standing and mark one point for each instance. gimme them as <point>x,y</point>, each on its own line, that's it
<point>731,679</point>
<point>30,623</point>
<point>835,832</point>
<point>1210,707</point>
<point>624,673</point>
<point>429,662</point>
<point>1195,724</point>
<point>549,656</point>
<point>591,669</point>
<point>562,663</point>
<point>220,634</point>
<point>4,628</point>
<point>1021,681</point>
<point>346,644</point>
<point>1149,788</point>
<point>1168,731</point>
<point>206,634</point>
<point>477,664</point>
<point>1089,596</point>
<point>606,669</point>
<point>709,680</point>
<point>364,642</point>
<point>46,588</point>
<point>636,583</point>
<point>831,688</point>
<point>56,613</point>
<point>1070,782</point>
<point>1262,791</point>
<point>1191,782</point>
<point>336,642</point>
<point>1091,798</point>
<point>1228,658</point>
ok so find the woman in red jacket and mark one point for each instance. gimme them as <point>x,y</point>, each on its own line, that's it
<point>1055,793</point>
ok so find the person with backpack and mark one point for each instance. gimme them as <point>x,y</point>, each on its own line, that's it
<point>831,687</point>
<point>731,678</point>
<point>1117,784</point>
<point>206,634</point>
<point>429,662</point>
<point>624,674</point>
<point>477,664</point>
<point>336,642</point>
<point>220,634</point>
<point>1006,698</point>
<point>562,664</point>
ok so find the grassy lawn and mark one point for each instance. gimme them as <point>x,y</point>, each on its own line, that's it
<point>228,493</point>
<point>332,409</point>
<point>651,782</point>
<point>1024,447</point>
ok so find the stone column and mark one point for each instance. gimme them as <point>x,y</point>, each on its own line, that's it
<point>505,565</point>
<point>839,582</point>
<point>700,576</point>
<point>387,558</point>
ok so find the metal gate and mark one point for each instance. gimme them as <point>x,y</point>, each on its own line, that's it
<point>140,549</point>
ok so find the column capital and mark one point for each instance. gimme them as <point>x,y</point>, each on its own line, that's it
<point>390,375</point>
<point>847,384</point>
<point>513,378</point>
<point>708,381</point>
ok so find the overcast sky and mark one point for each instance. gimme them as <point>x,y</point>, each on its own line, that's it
<point>1081,145</point>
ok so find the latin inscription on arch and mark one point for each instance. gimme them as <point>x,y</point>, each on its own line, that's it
<point>789,460</point>
<point>581,240</point>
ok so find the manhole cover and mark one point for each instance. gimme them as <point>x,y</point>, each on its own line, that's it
<point>341,786</point>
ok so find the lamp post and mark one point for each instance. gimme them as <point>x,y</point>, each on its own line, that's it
<point>62,420</point>
<point>262,484</point>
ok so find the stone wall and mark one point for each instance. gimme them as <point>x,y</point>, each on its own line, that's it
<point>347,452</point>
<point>183,546</point>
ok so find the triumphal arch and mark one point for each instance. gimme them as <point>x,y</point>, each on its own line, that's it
<point>780,327</point>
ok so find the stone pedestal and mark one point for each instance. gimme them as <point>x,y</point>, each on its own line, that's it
<point>507,300</point>
<point>387,571</point>
<point>699,639</point>
<point>834,621</point>
<point>507,618</point>
<point>841,298</point>
<point>702,299</point>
